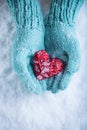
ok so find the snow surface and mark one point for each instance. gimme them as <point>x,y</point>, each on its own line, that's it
<point>21,110</point>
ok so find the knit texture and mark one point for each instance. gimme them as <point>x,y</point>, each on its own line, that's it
<point>61,41</point>
<point>65,11</point>
<point>28,39</point>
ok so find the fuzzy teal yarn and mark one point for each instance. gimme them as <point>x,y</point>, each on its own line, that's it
<point>61,41</point>
<point>28,39</point>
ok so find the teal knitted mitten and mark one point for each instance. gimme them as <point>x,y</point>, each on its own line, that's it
<point>29,39</point>
<point>61,41</point>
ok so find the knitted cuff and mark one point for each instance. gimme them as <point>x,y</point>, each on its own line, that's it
<point>27,13</point>
<point>64,11</point>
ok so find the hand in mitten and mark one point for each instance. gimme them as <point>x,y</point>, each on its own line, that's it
<point>61,41</point>
<point>29,39</point>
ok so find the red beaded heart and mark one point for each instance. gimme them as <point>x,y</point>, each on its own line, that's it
<point>44,67</point>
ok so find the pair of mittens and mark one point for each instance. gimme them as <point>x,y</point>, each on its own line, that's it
<point>60,41</point>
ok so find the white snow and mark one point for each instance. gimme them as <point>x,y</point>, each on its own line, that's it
<point>21,110</point>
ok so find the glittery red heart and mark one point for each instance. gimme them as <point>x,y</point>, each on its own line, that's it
<point>44,67</point>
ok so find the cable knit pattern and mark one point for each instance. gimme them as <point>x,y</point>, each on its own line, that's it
<point>61,36</point>
<point>29,38</point>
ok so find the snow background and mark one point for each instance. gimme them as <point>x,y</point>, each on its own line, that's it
<point>20,110</point>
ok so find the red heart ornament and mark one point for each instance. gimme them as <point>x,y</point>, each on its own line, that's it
<point>44,67</point>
